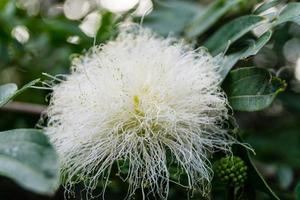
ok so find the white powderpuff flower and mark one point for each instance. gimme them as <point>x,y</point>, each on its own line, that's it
<point>143,100</point>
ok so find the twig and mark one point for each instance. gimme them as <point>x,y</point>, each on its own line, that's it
<point>22,107</point>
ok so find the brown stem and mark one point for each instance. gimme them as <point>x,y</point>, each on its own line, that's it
<point>22,107</point>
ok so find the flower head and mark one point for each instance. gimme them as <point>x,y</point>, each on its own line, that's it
<point>143,100</point>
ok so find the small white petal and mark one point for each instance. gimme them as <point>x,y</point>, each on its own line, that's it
<point>20,33</point>
<point>117,6</point>
<point>73,39</point>
<point>91,24</point>
<point>76,9</point>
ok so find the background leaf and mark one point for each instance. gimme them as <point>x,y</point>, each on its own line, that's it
<point>252,49</point>
<point>266,6</point>
<point>291,13</point>
<point>207,18</point>
<point>9,91</point>
<point>27,157</point>
<point>252,89</point>
<point>231,32</point>
<point>6,91</point>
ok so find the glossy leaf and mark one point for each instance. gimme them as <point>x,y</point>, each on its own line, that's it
<point>291,13</point>
<point>231,32</point>
<point>27,157</point>
<point>10,91</point>
<point>252,49</point>
<point>266,6</point>
<point>210,16</point>
<point>252,89</point>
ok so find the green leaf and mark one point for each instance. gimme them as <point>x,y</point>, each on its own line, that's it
<point>266,6</point>
<point>27,157</point>
<point>10,91</point>
<point>6,92</point>
<point>231,32</point>
<point>291,13</point>
<point>252,89</point>
<point>171,16</point>
<point>250,50</point>
<point>255,179</point>
<point>210,16</point>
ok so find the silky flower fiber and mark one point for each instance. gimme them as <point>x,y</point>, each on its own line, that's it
<point>143,100</point>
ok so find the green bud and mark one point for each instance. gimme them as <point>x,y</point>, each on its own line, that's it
<point>231,170</point>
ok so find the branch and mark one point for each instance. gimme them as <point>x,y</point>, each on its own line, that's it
<point>22,107</point>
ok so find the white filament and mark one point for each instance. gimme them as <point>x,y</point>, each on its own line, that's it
<point>135,99</point>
